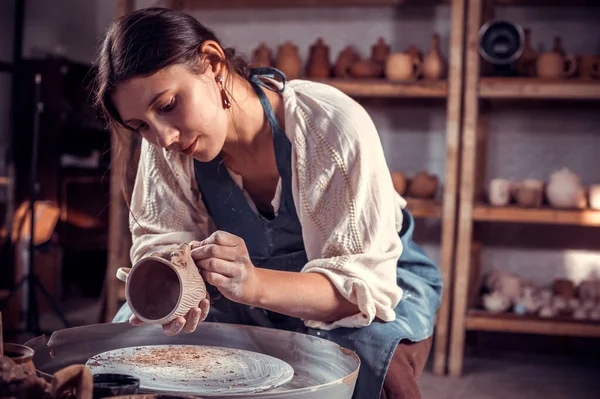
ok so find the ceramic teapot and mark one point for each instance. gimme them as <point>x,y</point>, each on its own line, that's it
<point>318,65</point>
<point>403,67</point>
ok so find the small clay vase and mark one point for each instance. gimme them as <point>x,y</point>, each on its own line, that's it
<point>414,52</point>
<point>554,65</point>
<point>423,185</point>
<point>20,354</point>
<point>499,191</point>
<point>588,66</point>
<point>262,57</point>
<point>434,65</point>
<point>400,182</point>
<point>366,69</point>
<point>530,193</point>
<point>380,51</point>
<point>402,67</point>
<point>160,288</point>
<point>288,60</point>
<point>345,60</point>
<point>525,65</point>
<point>318,65</point>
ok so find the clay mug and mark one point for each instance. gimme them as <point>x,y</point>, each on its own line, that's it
<point>554,65</point>
<point>499,192</point>
<point>589,66</point>
<point>401,67</point>
<point>161,287</point>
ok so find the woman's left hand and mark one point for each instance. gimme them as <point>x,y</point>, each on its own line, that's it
<point>224,262</point>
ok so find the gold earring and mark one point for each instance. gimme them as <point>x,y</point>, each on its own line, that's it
<point>224,97</point>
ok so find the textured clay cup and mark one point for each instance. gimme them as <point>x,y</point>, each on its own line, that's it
<point>160,288</point>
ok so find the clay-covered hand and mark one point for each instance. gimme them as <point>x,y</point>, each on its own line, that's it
<point>224,262</point>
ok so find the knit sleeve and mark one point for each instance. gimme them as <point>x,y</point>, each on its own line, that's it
<point>347,206</point>
<point>166,210</point>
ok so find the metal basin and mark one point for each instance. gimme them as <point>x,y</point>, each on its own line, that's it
<point>322,369</point>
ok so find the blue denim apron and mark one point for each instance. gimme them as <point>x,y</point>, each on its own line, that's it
<point>275,242</point>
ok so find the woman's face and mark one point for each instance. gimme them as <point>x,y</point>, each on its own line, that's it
<point>177,110</point>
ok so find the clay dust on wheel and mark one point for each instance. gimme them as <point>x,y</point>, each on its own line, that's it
<point>206,370</point>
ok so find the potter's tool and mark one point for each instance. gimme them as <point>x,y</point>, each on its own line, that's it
<point>322,369</point>
<point>195,369</point>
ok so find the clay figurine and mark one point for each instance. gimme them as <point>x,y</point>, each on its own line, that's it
<point>262,57</point>
<point>380,52</point>
<point>434,65</point>
<point>499,192</point>
<point>529,301</point>
<point>318,65</point>
<point>423,185</point>
<point>565,190</point>
<point>288,60</point>
<point>525,65</point>
<point>347,57</point>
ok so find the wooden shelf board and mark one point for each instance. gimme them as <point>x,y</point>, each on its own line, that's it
<point>514,214</point>
<point>423,208</point>
<point>383,88</point>
<point>546,3</point>
<point>479,320</point>
<point>532,88</point>
<point>215,4</point>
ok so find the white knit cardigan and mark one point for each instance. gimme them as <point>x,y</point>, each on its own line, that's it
<point>344,196</point>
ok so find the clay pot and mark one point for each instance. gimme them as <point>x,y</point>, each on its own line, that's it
<point>499,192</point>
<point>423,185</point>
<point>160,288</point>
<point>434,65</point>
<point>414,52</point>
<point>262,57</point>
<point>594,196</point>
<point>565,190</point>
<point>366,69</point>
<point>564,289</point>
<point>20,354</point>
<point>346,59</point>
<point>380,52</point>
<point>530,193</point>
<point>496,303</point>
<point>400,182</point>
<point>589,66</point>
<point>288,60</point>
<point>318,65</point>
<point>525,65</point>
<point>554,65</point>
<point>402,67</point>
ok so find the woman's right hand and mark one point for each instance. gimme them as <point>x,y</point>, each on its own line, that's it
<point>186,324</point>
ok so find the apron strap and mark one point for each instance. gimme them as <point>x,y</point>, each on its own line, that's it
<point>267,72</point>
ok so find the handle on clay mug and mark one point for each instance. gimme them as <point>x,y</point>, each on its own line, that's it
<point>122,273</point>
<point>572,66</point>
<point>417,67</point>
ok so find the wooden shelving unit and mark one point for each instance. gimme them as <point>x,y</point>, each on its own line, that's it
<point>450,92</point>
<point>479,92</point>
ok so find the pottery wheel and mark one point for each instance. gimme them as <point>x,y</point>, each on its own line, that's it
<point>197,369</point>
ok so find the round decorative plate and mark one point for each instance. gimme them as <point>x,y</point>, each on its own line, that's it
<point>201,370</point>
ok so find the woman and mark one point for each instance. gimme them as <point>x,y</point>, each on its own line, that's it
<point>283,190</point>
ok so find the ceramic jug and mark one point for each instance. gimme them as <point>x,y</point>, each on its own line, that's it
<point>402,67</point>
<point>318,65</point>
<point>288,60</point>
<point>380,51</point>
<point>346,59</point>
<point>553,65</point>
<point>262,57</point>
<point>525,65</point>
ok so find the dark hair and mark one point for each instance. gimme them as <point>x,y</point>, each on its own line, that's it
<point>141,44</point>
